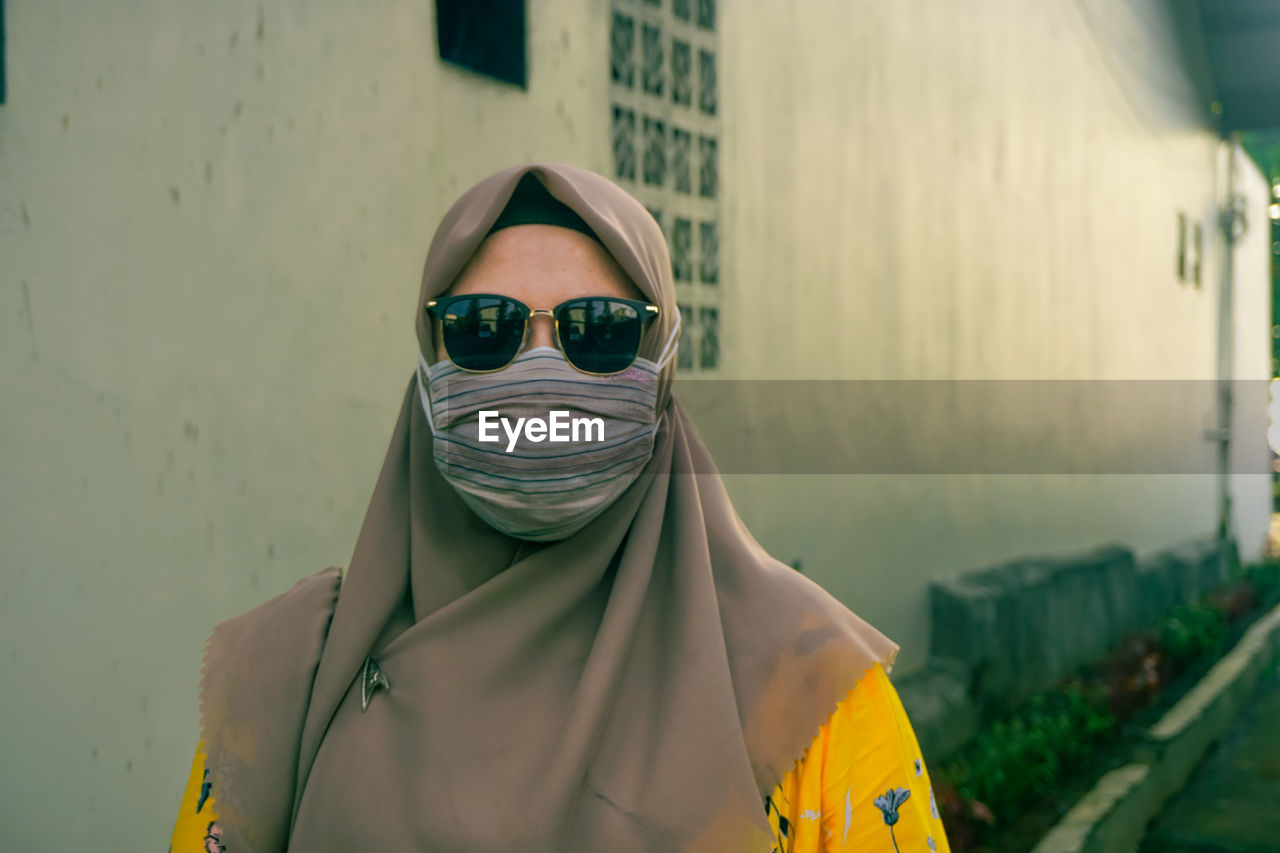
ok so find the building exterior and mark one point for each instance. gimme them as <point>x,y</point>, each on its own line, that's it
<point>213,219</point>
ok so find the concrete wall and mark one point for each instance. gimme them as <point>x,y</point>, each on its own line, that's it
<point>212,222</point>
<point>1003,633</point>
<point>213,218</point>
<point>983,191</point>
<point>1251,364</point>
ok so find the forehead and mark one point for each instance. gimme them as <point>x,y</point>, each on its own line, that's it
<point>543,265</point>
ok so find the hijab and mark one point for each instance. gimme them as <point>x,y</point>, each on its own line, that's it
<point>639,686</point>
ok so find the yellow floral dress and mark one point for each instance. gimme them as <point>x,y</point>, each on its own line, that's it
<point>861,786</point>
<point>197,830</point>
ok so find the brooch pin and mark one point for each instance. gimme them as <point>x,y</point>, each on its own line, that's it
<point>371,678</point>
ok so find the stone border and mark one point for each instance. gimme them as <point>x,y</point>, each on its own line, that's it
<point>1114,815</point>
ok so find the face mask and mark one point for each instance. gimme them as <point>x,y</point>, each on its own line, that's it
<point>516,474</point>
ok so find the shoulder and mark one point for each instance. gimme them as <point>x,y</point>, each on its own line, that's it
<point>256,682</point>
<point>862,778</point>
<point>782,605</point>
<point>311,597</point>
<point>280,638</point>
<point>817,649</point>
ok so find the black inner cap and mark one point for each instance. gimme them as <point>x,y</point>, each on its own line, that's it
<point>532,204</point>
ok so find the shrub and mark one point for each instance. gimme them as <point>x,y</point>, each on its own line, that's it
<point>1192,630</point>
<point>1018,761</point>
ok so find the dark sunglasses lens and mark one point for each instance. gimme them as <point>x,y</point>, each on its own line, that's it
<point>482,332</point>
<point>600,335</point>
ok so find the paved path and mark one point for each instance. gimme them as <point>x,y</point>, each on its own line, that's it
<point>1232,801</point>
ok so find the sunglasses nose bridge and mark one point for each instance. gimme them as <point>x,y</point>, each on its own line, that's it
<point>540,334</point>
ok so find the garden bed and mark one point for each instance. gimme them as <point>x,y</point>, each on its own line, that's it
<point>1019,775</point>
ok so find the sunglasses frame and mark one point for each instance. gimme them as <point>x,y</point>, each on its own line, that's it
<point>646,310</point>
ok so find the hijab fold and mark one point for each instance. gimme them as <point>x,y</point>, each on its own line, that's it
<point>638,686</point>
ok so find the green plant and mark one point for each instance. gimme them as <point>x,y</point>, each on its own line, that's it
<point>1018,758</point>
<point>1016,762</point>
<point>1265,578</point>
<point>1190,631</point>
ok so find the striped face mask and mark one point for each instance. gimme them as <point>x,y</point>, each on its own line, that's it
<point>539,449</point>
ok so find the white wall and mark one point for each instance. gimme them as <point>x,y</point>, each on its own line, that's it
<point>210,247</point>
<point>1251,365</point>
<point>212,223</point>
<point>977,191</point>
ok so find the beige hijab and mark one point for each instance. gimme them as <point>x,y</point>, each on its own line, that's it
<point>639,686</point>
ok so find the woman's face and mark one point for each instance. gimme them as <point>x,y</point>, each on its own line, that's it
<point>542,266</point>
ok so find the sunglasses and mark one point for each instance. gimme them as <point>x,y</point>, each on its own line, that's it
<point>597,334</point>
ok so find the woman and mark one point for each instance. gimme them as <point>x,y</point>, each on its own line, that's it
<point>551,646</point>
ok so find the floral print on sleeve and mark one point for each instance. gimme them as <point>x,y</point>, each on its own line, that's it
<point>197,829</point>
<point>862,785</point>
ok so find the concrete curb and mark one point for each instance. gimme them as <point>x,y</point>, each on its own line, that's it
<point>1114,815</point>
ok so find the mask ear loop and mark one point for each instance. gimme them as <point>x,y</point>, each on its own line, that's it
<point>670,347</point>
<point>424,368</point>
<point>664,357</point>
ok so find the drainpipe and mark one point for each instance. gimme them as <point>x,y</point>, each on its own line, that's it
<point>1231,219</point>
